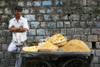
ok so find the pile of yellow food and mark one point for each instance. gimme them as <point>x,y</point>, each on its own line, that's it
<point>56,38</point>
<point>76,46</point>
<point>48,47</point>
<point>30,49</point>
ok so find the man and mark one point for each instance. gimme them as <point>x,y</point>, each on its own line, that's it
<point>18,26</point>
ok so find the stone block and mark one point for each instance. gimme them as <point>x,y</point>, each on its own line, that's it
<point>52,10</point>
<point>12,61</point>
<point>64,17</point>
<point>75,17</point>
<point>2,3</point>
<point>1,11</point>
<point>95,31</point>
<point>91,3</point>
<point>25,10</point>
<point>70,31</point>
<point>96,65</point>
<point>29,3</point>
<point>95,60</point>
<point>69,37</point>
<point>6,33</point>
<point>1,55</point>
<point>37,3</point>
<point>21,3</point>
<point>84,38</point>
<point>99,60</point>
<point>4,46</point>
<point>76,37</point>
<point>32,10</point>
<point>30,39</point>
<point>56,31</point>
<point>42,11</point>
<point>7,55</point>
<point>96,24</point>
<point>3,25</point>
<point>59,10</point>
<point>63,31</point>
<point>43,24</point>
<point>32,32</point>
<point>85,17</point>
<point>66,24</point>
<point>38,37</point>
<point>97,52</point>
<point>78,30</point>
<point>35,24</point>
<point>83,2</point>
<point>46,37</point>
<point>3,39</point>
<point>49,31</point>
<point>87,9</point>
<point>46,3</point>
<point>40,17</point>
<point>0,47</point>
<point>5,62</point>
<point>82,24</point>
<point>89,44</point>
<point>30,17</point>
<point>92,38</point>
<point>9,39</point>
<point>59,24</point>
<point>40,32</point>
<point>59,3</point>
<point>89,23</point>
<point>87,31</point>
<point>55,17</point>
<point>51,25</point>
<point>1,66</point>
<point>75,24</point>
<point>7,11</point>
<point>98,17</point>
<point>99,37</point>
<point>0,32</point>
<point>47,17</point>
<point>97,45</point>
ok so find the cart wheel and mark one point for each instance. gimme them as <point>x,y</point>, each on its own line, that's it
<point>76,63</point>
<point>36,63</point>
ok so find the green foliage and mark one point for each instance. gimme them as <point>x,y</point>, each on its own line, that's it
<point>66,12</point>
<point>92,12</point>
<point>83,9</point>
<point>99,8</point>
<point>70,21</point>
<point>6,20</point>
<point>33,4</point>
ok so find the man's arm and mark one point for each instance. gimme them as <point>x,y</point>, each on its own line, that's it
<point>13,29</point>
<point>19,29</point>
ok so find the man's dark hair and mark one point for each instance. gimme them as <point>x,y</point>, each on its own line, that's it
<point>18,8</point>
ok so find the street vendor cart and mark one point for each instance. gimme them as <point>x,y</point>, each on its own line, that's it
<point>55,59</point>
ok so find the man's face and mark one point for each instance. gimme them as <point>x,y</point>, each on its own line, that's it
<point>18,12</point>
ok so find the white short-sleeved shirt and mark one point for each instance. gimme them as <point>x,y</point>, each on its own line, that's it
<point>19,36</point>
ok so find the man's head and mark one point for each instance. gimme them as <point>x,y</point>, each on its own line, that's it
<point>18,10</point>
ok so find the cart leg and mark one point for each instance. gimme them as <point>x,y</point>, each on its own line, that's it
<point>90,59</point>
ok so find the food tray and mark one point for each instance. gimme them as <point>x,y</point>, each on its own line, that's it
<point>48,49</point>
<point>25,49</point>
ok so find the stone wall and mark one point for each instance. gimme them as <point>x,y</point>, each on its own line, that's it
<point>75,19</point>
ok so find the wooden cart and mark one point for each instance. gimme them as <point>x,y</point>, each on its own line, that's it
<point>55,59</point>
